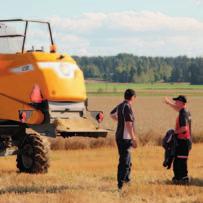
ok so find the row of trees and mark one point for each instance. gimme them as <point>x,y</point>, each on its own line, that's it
<point>130,68</point>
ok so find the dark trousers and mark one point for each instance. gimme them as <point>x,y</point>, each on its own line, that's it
<point>124,166</point>
<point>180,168</point>
<point>180,162</point>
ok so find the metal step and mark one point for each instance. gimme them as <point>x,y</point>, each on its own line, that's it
<point>8,152</point>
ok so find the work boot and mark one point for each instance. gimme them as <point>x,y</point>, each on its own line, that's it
<point>181,181</point>
<point>120,185</point>
<point>185,180</point>
<point>175,180</point>
<point>127,182</point>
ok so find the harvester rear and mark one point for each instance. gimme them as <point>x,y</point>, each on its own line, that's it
<point>41,93</point>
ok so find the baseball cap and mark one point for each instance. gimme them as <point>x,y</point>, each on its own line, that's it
<point>181,98</point>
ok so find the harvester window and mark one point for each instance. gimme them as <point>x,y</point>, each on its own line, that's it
<point>37,39</point>
<point>19,35</point>
<point>11,39</point>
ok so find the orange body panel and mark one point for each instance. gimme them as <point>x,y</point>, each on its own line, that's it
<point>57,75</point>
<point>12,109</point>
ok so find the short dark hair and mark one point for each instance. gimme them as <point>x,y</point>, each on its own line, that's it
<point>129,93</point>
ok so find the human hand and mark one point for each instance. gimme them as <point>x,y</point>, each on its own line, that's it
<point>134,143</point>
<point>167,100</point>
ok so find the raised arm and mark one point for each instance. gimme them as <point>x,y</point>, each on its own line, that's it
<point>170,103</point>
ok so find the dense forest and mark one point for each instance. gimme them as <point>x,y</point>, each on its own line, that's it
<point>141,69</point>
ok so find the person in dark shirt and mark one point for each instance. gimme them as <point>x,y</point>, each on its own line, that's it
<point>183,133</point>
<point>125,135</point>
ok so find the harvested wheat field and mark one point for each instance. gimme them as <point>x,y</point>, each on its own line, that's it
<point>89,176</point>
<point>83,170</point>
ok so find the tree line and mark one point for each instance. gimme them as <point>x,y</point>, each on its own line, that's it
<point>141,69</point>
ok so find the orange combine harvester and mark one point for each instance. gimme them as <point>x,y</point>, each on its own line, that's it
<point>42,93</point>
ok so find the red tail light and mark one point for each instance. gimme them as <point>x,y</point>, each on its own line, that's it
<point>36,95</point>
<point>22,117</point>
<point>100,117</point>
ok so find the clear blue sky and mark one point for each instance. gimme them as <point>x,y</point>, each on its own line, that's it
<point>168,27</point>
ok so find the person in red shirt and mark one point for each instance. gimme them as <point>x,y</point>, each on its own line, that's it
<point>183,133</point>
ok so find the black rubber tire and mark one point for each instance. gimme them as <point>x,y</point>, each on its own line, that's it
<point>33,154</point>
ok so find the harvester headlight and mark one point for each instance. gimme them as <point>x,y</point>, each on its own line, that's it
<point>68,69</point>
<point>63,69</point>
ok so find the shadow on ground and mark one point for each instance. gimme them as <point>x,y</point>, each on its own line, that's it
<point>38,189</point>
<point>193,182</point>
